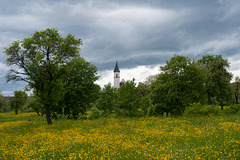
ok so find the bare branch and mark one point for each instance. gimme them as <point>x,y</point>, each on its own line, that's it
<point>14,77</point>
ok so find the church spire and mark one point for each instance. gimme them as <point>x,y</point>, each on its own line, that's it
<point>116,76</point>
<point>116,69</point>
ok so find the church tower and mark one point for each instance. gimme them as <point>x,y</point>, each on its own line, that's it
<point>116,76</point>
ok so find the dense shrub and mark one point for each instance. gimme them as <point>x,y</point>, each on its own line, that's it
<point>93,113</point>
<point>233,109</point>
<point>196,109</point>
<point>4,105</point>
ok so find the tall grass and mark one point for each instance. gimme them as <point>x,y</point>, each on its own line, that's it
<point>120,138</point>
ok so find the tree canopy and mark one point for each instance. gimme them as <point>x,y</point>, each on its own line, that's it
<point>218,79</point>
<point>41,61</point>
<point>18,101</point>
<point>106,101</point>
<point>79,87</point>
<point>3,104</point>
<point>236,86</point>
<point>128,99</point>
<point>180,83</point>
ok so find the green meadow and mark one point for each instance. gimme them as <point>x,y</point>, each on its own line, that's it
<point>27,136</point>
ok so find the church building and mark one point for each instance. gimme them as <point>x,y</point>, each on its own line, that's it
<point>117,82</point>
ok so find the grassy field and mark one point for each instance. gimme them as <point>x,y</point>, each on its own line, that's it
<point>27,136</point>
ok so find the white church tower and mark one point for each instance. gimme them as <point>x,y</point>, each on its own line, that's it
<point>116,76</point>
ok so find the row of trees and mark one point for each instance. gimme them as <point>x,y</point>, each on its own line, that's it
<point>63,82</point>
<point>4,106</point>
<point>181,82</point>
<point>184,81</point>
<point>16,103</point>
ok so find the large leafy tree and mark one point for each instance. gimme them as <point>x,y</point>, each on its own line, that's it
<point>218,79</point>
<point>41,60</point>
<point>180,83</point>
<point>80,90</point>
<point>18,101</point>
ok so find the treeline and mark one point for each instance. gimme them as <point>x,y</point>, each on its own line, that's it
<point>184,86</point>
<point>63,82</point>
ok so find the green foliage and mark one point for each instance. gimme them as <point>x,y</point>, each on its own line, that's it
<point>4,105</point>
<point>35,104</point>
<point>180,83</point>
<point>148,81</point>
<point>145,103</point>
<point>236,87</point>
<point>107,101</point>
<point>43,60</point>
<point>144,89</point>
<point>80,91</point>
<point>152,110</point>
<point>233,109</point>
<point>196,109</point>
<point>145,100</point>
<point>218,78</point>
<point>18,101</point>
<point>57,116</point>
<point>128,99</point>
<point>93,113</point>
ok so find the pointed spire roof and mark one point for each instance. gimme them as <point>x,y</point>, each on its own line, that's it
<point>116,69</point>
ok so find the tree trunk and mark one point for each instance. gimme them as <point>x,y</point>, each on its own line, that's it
<point>37,112</point>
<point>48,114</point>
<point>236,97</point>
<point>221,106</point>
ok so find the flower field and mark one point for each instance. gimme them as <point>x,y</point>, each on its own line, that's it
<point>27,136</point>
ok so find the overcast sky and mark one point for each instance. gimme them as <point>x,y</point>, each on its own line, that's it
<point>140,34</point>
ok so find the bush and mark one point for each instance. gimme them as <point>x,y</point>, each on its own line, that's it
<point>234,109</point>
<point>151,111</point>
<point>4,105</point>
<point>196,109</point>
<point>82,116</point>
<point>57,116</point>
<point>94,113</point>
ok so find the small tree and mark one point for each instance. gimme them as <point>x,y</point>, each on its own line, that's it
<point>80,90</point>
<point>236,86</point>
<point>3,104</point>
<point>218,79</point>
<point>106,102</point>
<point>18,101</point>
<point>128,99</point>
<point>41,61</point>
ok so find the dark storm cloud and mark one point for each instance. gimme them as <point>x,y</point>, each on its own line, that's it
<point>199,27</point>
<point>136,32</point>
